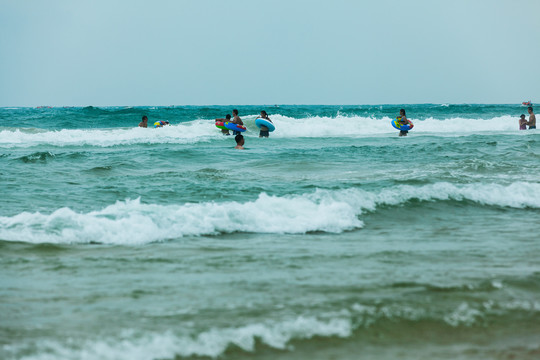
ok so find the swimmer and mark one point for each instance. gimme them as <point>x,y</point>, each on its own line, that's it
<point>522,122</point>
<point>532,118</point>
<point>264,130</point>
<point>239,142</point>
<point>161,123</point>
<point>236,120</point>
<point>402,119</point>
<point>144,122</point>
<point>227,118</point>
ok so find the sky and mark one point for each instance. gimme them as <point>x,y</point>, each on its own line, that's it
<point>236,52</point>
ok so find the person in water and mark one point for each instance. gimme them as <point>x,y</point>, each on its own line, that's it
<point>402,119</point>
<point>144,122</point>
<point>236,120</point>
<point>532,118</point>
<point>227,118</point>
<point>161,123</point>
<point>522,122</point>
<point>239,142</point>
<point>264,130</point>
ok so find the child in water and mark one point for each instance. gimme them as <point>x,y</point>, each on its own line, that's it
<point>402,119</point>
<point>227,119</point>
<point>522,122</point>
<point>264,130</point>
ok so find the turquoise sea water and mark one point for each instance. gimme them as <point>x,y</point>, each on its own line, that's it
<point>332,239</point>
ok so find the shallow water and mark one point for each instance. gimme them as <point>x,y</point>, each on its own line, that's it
<point>332,239</point>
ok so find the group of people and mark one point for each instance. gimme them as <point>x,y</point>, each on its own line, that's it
<point>523,123</point>
<point>264,132</point>
<point>239,138</point>
<point>236,120</point>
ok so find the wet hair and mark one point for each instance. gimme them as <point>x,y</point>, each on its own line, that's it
<point>402,110</point>
<point>235,112</point>
<point>228,116</point>
<point>522,115</point>
<point>530,108</point>
<point>145,117</point>
<point>264,113</point>
<point>238,138</point>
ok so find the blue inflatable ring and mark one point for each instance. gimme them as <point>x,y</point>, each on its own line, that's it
<point>234,127</point>
<point>263,122</point>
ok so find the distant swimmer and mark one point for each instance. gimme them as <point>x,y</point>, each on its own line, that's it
<point>161,123</point>
<point>402,119</point>
<point>236,120</point>
<point>522,122</point>
<point>227,118</point>
<point>264,130</point>
<point>144,122</point>
<point>532,118</point>
<point>239,142</point>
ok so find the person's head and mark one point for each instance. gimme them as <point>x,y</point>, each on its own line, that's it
<point>402,112</point>
<point>235,112</point>
<point>264,114</point>
<point>239,140</point>
<point>228,116</point>
<point>522,116</point>
<point>145,118</point>
<point>530,110</point>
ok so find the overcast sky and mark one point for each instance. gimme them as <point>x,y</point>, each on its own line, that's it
<point>233,52</point>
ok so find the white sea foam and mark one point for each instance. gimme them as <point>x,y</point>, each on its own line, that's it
<point>210,343</point>
<point>132,222</point>
<point>132,345</point>
<point>187,133</point>
<point>356,126</point>
<point>463,315</point>
<point>204,130</point>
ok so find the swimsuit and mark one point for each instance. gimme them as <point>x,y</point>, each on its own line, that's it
<point>532,127</point>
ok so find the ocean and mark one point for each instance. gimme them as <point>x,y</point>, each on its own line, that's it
<point>334,238</point>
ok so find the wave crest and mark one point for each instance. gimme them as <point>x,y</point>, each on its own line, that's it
<point>131,222</point>
<point>190,132</point>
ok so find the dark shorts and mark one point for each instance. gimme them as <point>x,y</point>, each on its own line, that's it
<point>264,133</point>
<point>532,127</point>
<point>236,132</point>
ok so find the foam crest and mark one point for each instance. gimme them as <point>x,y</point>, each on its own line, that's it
<point>186,133</point>
<point>132,345</point>
<point>131,222</point>
<point>357,126</point>
<point>286,127</point>
<point>212,343</point>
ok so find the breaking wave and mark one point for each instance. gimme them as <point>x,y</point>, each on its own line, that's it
<point>131,222</point>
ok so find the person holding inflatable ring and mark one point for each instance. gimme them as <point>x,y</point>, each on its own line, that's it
<point>402,119</point>
<point>264,130</point>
